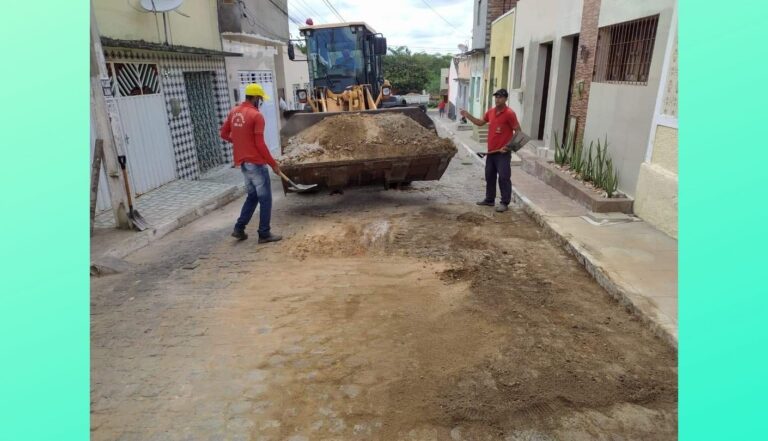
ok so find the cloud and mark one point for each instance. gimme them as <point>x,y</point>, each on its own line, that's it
<point>403,22</point>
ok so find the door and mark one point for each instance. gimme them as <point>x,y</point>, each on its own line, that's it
<point>205,124</point>
<point>148,141</point>
<point>269,108</point>
<point>144,122</point>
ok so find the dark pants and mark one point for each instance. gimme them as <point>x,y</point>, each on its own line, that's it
<point>498,164</point>
<point>259,190</point>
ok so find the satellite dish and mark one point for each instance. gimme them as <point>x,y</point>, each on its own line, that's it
<point>160,5</point>
<point>463,47</point>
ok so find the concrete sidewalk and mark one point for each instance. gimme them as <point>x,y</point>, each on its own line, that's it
<point>634,262</point>
<point>166,208</point>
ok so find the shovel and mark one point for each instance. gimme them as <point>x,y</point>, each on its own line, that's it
<point>136,219</point>
<point>298,188</point>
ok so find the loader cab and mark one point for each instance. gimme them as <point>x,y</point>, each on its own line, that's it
<point>342,55</point>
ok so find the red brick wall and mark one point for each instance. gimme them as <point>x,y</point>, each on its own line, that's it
<point>496,8</point>
<point>584,68</point>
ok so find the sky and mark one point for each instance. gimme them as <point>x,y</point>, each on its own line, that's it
<point>403,22</point>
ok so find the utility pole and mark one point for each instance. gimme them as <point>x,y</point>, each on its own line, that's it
<point>100,117</point>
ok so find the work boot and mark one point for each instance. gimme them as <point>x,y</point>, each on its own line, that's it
<point>239,235</point>
<point>270,238</point>
<point>486,203</point>
<point>502,208</point>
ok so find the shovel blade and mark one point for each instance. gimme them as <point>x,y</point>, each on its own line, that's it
<point>138,221</point>
<point>300,188</point>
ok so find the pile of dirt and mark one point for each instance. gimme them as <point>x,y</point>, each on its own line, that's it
<point>355,137</point>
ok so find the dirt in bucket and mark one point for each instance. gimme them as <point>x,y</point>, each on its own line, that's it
<point>355,136</point>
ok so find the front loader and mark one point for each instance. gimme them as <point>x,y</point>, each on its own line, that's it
<point>345,72</point>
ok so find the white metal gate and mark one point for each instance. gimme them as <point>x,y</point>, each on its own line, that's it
<point>148,141</point>
<point>268,108</point>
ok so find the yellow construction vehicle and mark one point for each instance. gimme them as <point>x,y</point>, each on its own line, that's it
<point>346,77</point>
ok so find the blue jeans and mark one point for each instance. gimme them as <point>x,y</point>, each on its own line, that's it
<point>259,190</point>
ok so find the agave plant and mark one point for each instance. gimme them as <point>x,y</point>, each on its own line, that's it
<point>589,166</point>
<point>559,151</point>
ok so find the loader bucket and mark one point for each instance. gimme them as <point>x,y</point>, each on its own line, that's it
<point>359,172</point>
<point>295,122</point>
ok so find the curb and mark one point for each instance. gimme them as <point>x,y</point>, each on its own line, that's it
<point>629,299</point>
<point>156,232</point>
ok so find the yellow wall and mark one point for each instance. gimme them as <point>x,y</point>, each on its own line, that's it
<point>665,148</point>
<point>656,194</point>
<point>117,19</point>
<point>502,33</point>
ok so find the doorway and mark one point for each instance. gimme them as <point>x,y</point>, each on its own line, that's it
<point>545,65</point>
<point>202,109</point>
<point>574,52</point>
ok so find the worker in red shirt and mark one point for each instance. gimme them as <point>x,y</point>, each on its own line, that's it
<point>502,125</point>
<point>244,128</point>
<point>441,107</point>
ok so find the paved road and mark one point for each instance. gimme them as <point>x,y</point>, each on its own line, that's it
<point>383,315</point>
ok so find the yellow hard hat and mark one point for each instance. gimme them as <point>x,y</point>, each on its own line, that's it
<point>254,89</point>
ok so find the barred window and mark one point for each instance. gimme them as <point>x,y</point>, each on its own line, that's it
<point>624,52</point>
<point>129,79</point>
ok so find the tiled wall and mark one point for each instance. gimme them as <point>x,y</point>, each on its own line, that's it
<point>172,67</point>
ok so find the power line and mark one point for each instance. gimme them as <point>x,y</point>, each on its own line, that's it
<point>310,8</point>
<point>298,10</point>
<point>335,12</point>
<point>438,14</point>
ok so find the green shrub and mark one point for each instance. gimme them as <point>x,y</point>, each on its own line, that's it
<point>596,168</point>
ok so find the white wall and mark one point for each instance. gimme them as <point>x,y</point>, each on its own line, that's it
<point>539,22</point>
<point>623,112</point>
<point>476,71</point>
<point>296,72</point>
<point>478,30</point>
<point>453,83</point>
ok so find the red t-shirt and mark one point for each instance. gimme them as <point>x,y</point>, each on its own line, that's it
<point>244,128</point>
<point>501,126</point>
<point>441,105</point>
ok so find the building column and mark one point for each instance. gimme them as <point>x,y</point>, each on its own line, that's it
<point>585,64</point>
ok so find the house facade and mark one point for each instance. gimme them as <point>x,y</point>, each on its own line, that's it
<point>170,90</point>
<point>601,69</point>
<point>258,32</point>
<point>499,53</point>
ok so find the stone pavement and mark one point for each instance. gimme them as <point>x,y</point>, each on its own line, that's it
<point>164,204</point>
<point>165,208</point>
<point>634,262</point>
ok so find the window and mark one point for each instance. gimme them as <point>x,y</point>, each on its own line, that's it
<point>624,52</point>
<point>130,79</point>
<point>517,75</point>
<point>479,5</point>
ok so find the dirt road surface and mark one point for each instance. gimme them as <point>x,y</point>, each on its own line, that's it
<point>383,315</point>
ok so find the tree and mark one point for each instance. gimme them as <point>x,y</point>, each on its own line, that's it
<point>409,72</point>
<point>404,74</point>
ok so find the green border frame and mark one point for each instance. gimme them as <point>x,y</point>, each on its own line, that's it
<point>44,383</point>
<point>723,218</point>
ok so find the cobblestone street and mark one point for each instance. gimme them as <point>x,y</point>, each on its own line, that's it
<point>383,315</point>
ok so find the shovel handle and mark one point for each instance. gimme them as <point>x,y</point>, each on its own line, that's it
<point>287,179</point>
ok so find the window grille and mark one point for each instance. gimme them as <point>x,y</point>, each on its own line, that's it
<point>624,52</point>
<point>255,76</point>
<point>130,79</point>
